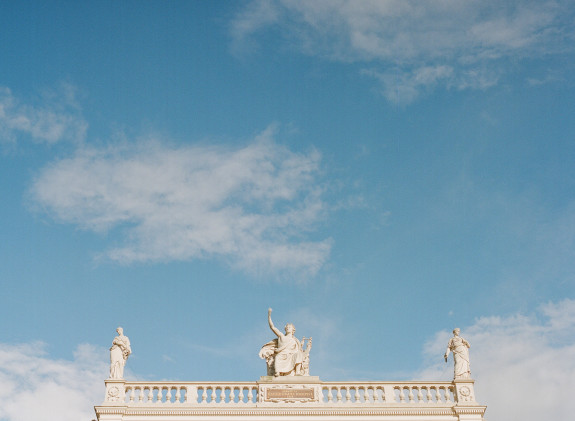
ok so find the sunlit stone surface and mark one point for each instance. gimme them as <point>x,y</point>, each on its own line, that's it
<point>289,391</point>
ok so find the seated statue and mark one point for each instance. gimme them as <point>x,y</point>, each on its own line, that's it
<point>286,356</point>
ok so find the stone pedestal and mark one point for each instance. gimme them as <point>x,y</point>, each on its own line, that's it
<point>467,408</point>
<point>464,392</point>
<point>115,392</point>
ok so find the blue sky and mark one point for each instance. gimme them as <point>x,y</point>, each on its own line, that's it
<point>377,172</point>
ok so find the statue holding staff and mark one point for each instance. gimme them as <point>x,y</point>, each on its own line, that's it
<point>286,356</point>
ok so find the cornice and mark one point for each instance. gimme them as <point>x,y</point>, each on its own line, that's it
<point>325,412</point>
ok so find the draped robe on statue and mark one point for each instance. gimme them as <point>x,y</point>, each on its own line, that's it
<point>283,355</point>
<point>460,357</point>
<point>118,355</point>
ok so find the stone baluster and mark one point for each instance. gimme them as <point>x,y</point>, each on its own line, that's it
<point>256,391</point>
<point>429,397</point>
<point>447,396</point>
<point>401,394</point>
<point>347,394</point>
<point>245,394</point>
<point>382,397</point>
<point>411,400</point>
<point>374,396</point>
<point>329,397</point>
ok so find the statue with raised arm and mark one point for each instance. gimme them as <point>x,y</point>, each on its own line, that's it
<point>119,353</point>
<point>285,356</point>
<point>460,348</point>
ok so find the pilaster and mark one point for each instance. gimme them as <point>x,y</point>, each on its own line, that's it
<point>467,408</point>
<point>115,392</point>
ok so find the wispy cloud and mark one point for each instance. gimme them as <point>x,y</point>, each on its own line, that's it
<point>55,117</point>
<point>523,364</point>
<point>252,206</point>
<point>457,44</point>
<point>34,386</point>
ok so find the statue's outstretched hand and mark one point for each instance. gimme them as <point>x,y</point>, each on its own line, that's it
<point>270,310</point>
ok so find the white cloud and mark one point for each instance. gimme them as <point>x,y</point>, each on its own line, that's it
<point>34,386</point>
<point>405,37</point>
<point>524,365</point>
<point>251,206</point>
<point>57,118</point>
<point>404,88</point>
<point>249,20</point>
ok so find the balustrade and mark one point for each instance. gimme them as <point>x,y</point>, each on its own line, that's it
<point>190,393</point>
<point>330,393</point>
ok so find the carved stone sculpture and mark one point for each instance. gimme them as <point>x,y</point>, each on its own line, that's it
<point>460,348</point>
<point>119,353</point>
<point>286,355</point>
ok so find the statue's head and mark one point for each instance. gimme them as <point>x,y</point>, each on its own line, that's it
<point>120,331</point>
<point>290,328</point>
<point>456,331</point>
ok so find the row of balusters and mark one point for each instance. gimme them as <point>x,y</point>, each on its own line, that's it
<point>248,394</point>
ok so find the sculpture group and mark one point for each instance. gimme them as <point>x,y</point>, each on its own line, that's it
<point>288,356</point>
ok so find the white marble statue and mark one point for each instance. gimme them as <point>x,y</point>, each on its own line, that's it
<point>460,348</point>
<point>119,353</point>
<point>286,356</point>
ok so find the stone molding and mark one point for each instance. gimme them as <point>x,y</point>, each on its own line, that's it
<point>189,401</point>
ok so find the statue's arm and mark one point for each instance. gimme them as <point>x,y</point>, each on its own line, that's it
<point>447,351</point>
<point>466,343</point>
<point>272,327</point>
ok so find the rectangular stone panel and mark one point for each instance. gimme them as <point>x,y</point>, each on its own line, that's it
<point>291,393</point>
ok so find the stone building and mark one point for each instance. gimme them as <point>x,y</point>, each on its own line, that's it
<point>289,393</point>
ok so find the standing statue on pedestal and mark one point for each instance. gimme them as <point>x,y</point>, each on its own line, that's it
<point>460,348</point>
<point>119,353</point>
<point>285,356</point>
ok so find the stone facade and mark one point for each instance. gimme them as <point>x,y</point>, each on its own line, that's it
<point>289,392</point>
<point>305,398</point>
